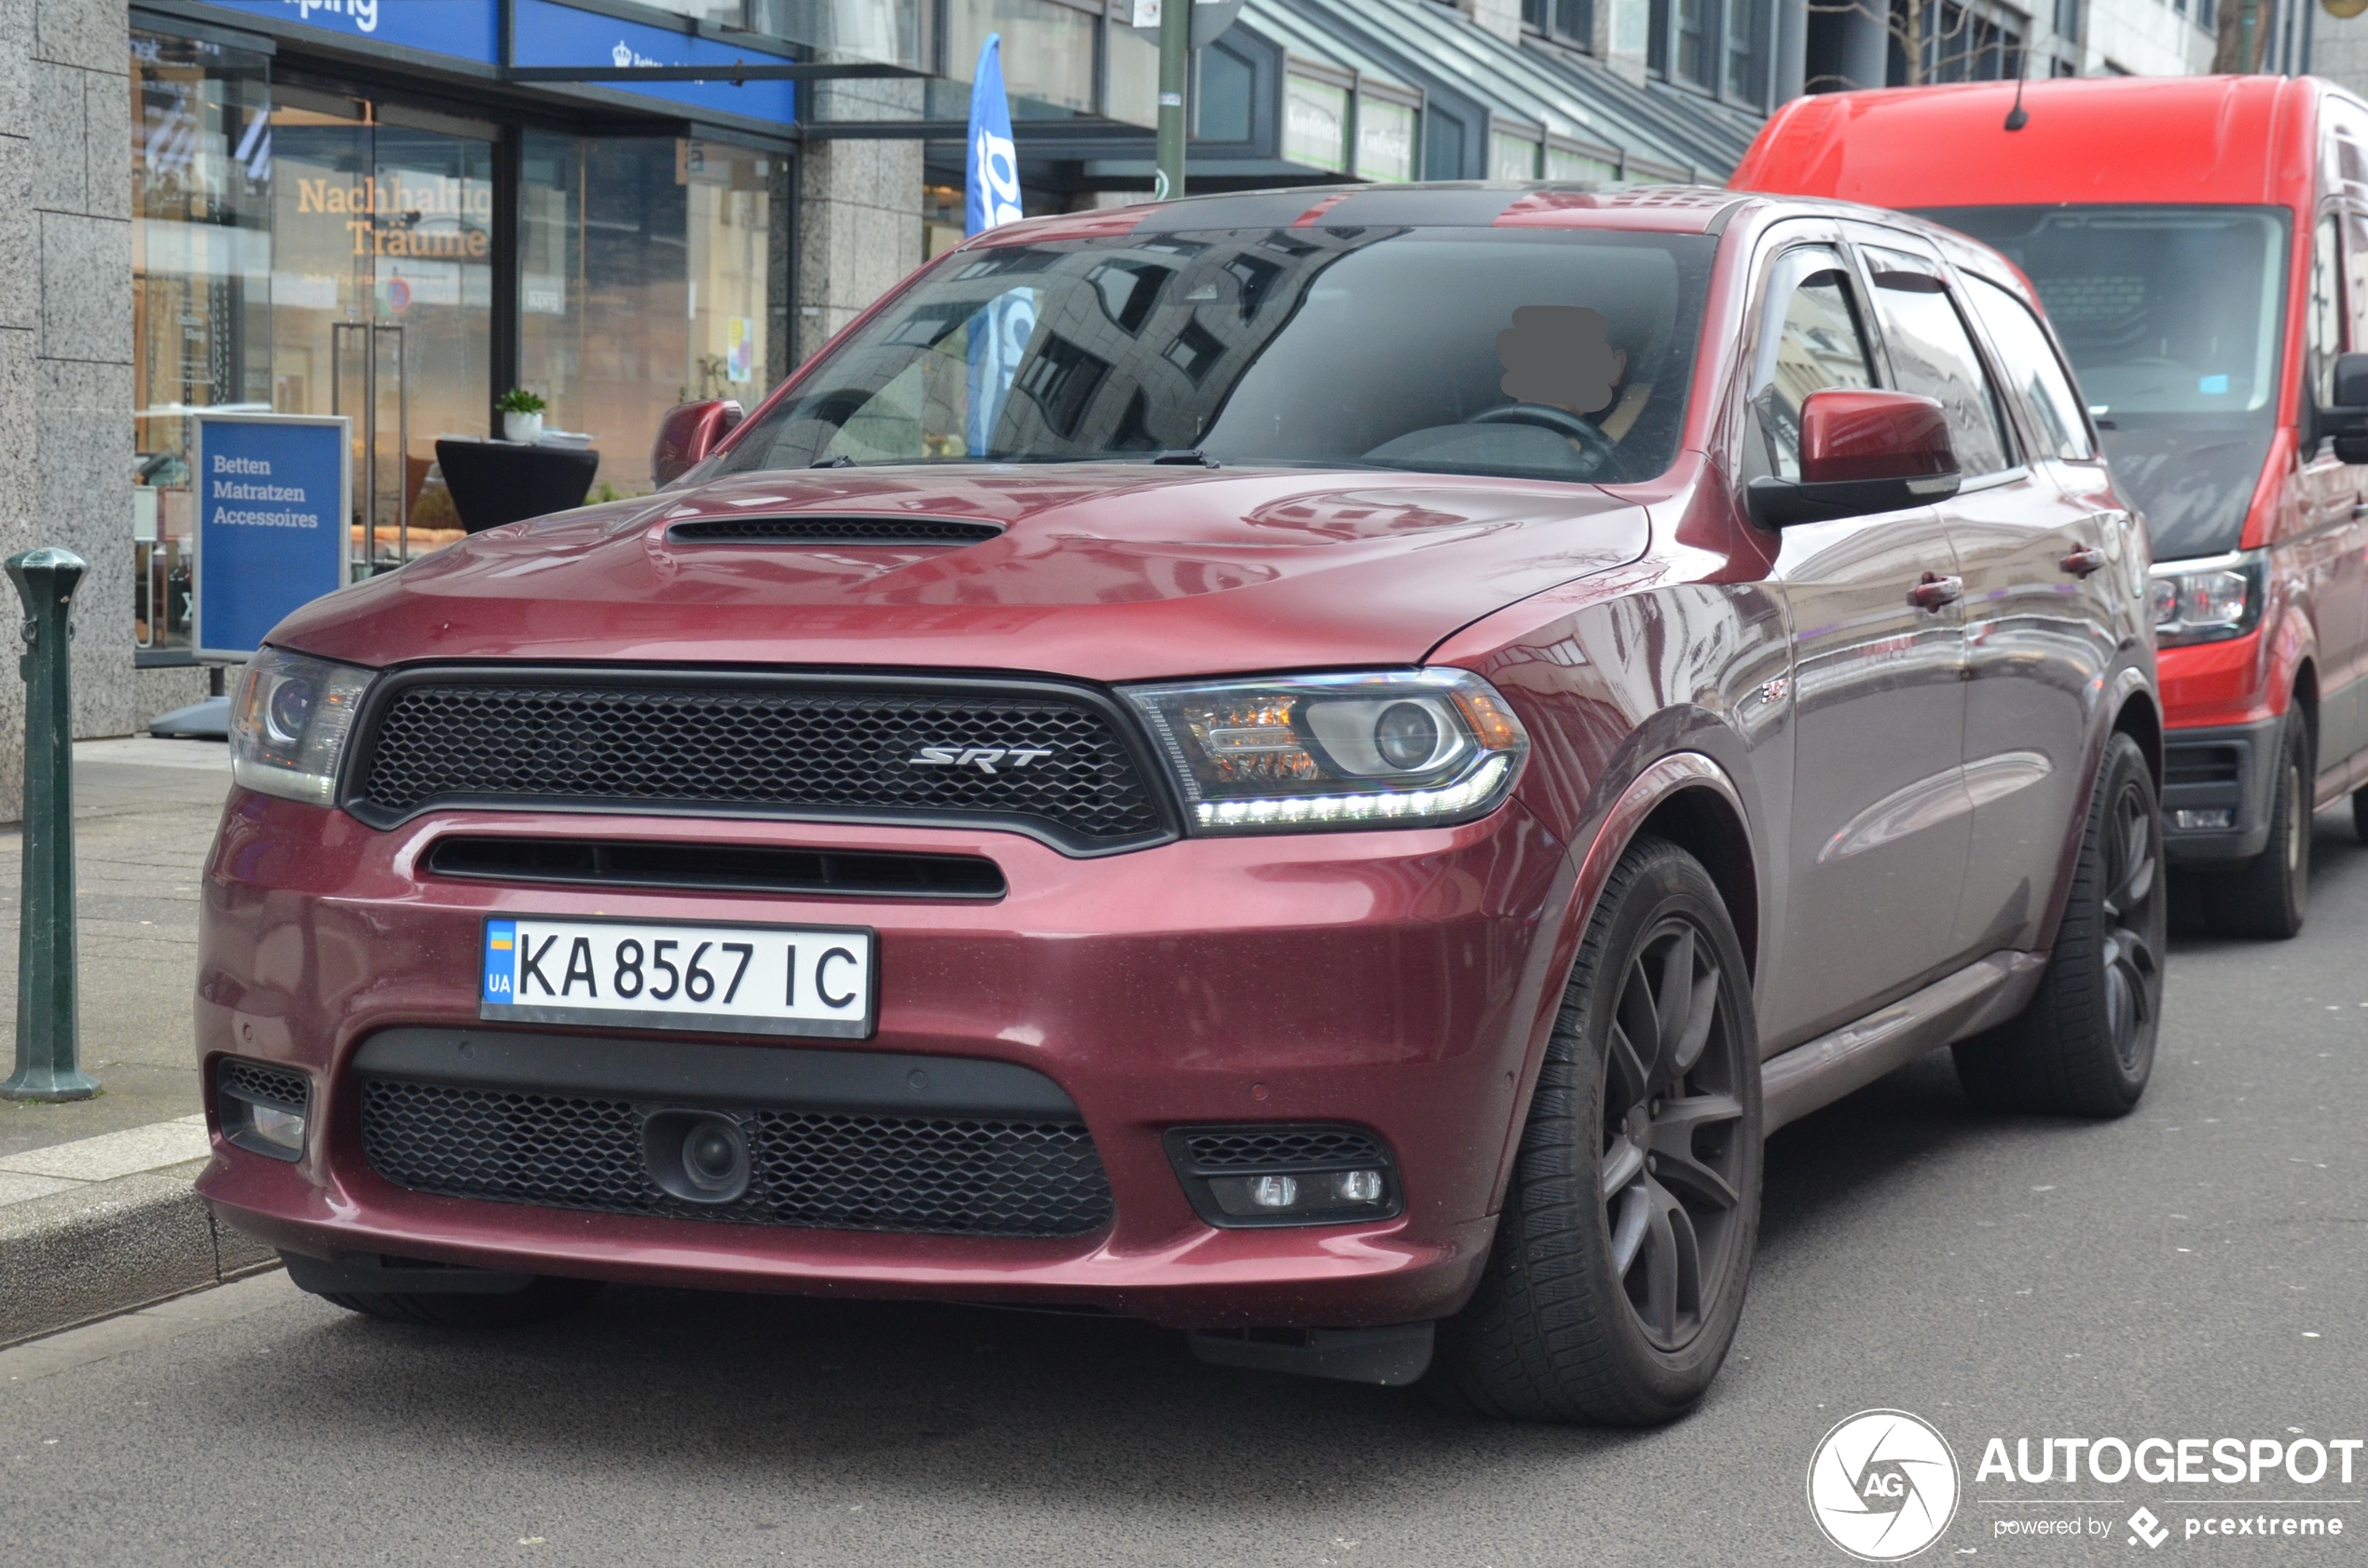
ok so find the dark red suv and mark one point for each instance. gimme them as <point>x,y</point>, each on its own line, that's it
<point>1316,767</point>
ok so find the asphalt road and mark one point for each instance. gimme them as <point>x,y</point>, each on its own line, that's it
<point>2196,1270</point>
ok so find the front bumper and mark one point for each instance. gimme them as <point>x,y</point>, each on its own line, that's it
<point>1387,980</point>
<point>2213,768</point>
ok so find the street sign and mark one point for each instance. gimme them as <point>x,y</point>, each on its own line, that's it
<point>1209,19</point>
<point>273,498</point>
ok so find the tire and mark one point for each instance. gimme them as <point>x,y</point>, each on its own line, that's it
<point>2268,898</point>
<point>2086,1044</point>
<point>1561,1327</point>
<point>547,1297</point>
<point>2359,814</point>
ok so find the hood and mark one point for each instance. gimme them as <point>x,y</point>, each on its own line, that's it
<point>1103,571</point>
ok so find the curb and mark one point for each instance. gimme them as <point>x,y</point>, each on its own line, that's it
<point>111,1247</point>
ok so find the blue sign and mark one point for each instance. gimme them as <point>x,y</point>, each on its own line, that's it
<point>545,34</point>
<point>470,28</point>
<point>271,524</point>
<point>500,962</point>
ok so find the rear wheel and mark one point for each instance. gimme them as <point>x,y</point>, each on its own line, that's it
<point>2359,814</point>
<point>2086,1044</point>
<point>546,1298</point>
<point>2268,897</point>
<point>1616,1279</point>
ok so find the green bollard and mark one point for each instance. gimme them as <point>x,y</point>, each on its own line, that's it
<point>48,1044</point>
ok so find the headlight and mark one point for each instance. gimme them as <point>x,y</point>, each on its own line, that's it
<point>1417,748</point>
<point>289,721</point>
<point>2199,602</point>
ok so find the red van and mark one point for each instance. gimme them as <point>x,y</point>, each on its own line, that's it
<point>2201,244</point>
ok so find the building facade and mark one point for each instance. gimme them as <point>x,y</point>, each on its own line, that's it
<point>396,211</point>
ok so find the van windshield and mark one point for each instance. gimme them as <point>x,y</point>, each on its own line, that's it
<point>2173,318</point>
<point>1466,350</point>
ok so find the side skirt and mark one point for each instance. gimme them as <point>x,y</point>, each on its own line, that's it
<point>1814,1075</point>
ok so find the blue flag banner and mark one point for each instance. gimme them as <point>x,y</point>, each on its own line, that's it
<point>1001,331</point>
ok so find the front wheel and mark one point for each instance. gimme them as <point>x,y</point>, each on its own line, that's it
<point>2086,1044</point>
<point>2269,897</point>
<point>1616,1279</point>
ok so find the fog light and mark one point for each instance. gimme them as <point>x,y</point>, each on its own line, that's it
<point>1286,1172</point>
<point>273,1125</point>
<point>2221,817</point>
<point>261,1107</point>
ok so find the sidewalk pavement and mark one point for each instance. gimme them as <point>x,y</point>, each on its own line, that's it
<point>97,1216</point>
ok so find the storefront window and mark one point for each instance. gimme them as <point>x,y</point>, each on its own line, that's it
<point>882,30</point>
<point>1047,52</point>
<point>645,277</point>
<point>201,163</point>
<point>1134,94</point>
<point>1384,139</point>
<point>382,289</point>
<point>1511,157</point>
<point>1314,123</point>
<point>1564,163</point>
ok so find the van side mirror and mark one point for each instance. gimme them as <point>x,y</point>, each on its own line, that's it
<point>2347,422</point>
<point>687,433</point>
<point>1861,451</point>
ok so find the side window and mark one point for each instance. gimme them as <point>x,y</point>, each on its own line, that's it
<point>2032,367</point>
<point>2326,309</point>
<point>1932,353</point>
<point>1813,340</point>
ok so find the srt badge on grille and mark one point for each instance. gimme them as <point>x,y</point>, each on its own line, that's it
<point>983,757</point>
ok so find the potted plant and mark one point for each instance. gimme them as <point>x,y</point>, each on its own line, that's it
<point>521,415</point>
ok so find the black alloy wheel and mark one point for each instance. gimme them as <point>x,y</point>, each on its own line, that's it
<point>2086,1044</point>
<point>1671,1154</point>
<point>1616,1278</point>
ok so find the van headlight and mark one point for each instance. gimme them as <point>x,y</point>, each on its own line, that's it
<point>289,723</point>
<point>1401,748</point>
<point>2206,602</point>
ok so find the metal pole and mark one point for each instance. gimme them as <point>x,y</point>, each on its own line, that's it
<point>1176,58</point>
<point>49,1065</point>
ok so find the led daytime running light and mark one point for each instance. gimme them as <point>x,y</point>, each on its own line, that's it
<point>1317,810</point>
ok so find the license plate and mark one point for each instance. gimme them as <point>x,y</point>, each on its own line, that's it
<point>759,979</point>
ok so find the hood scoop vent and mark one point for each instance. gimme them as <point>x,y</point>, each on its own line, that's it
<point>825,532</point>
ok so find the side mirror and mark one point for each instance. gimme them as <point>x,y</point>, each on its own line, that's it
<point>2347,422</point>
<point>1861,451</point>
<point>688,434</point>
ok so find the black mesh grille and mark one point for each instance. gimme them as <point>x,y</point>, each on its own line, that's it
<point>1272,1149</point>
<point>831,530</point>
<point>2202,765</point>
<point>941,1175</point>
<point>767,748</point>
<point>254,1082</point>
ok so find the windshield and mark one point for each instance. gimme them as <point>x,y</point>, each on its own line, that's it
<point>2172,316</point>
<point>1550,355</point>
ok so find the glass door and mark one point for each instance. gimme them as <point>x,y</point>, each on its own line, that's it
<point>382,275</point>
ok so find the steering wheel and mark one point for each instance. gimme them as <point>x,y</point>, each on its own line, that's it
<point>1562,421</point>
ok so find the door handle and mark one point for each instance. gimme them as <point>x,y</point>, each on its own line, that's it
<point>2083,561</point>
<point>1934,591</point>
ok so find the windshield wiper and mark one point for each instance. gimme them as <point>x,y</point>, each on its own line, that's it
<point>842,460</point>
<point>1190,457</point>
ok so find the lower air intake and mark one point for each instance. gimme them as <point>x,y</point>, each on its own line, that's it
<point>932,1175</point>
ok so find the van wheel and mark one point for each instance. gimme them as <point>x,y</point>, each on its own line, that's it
<point>2086,1044</point>
<point>547,1297</point>
<point>1613,1288</point>
<point>2268,898</point>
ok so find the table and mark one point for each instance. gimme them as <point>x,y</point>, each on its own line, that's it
<point>497,482</point>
